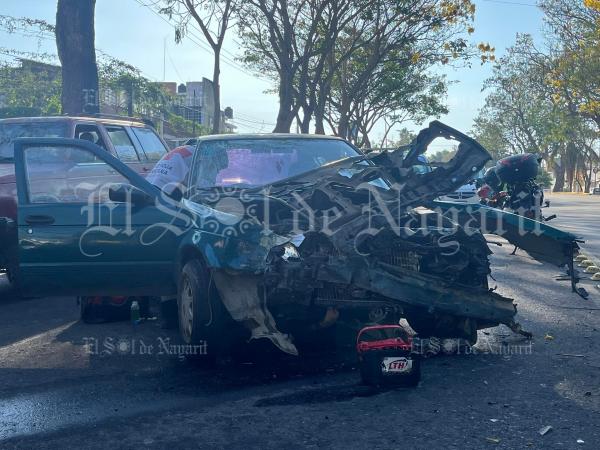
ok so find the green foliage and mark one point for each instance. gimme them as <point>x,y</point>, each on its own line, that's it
<point>37,92</point>
<point>575,56</point>
<point>19,111</point>
<point>405,137</point>
<point>186,126</point>
<point>30,91</point>
<point>545,178</point>
<point>540,100</point>
<point>357,62</point>
<point>442,155</point>
<point>492,135</point>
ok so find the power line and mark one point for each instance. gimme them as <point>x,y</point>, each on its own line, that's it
<point>173,65</point>
<point>242,125</point>
<point>250,119</point>
<point>198,41</point>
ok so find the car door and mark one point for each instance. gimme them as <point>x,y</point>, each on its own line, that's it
<point>151,147</point>
<point>75,237</point>
<point>124,147</point>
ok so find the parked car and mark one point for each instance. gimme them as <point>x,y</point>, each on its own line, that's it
<point>276,236</point>
<point>130,140</point>
<point>464,194</point>
<point>595,191</point>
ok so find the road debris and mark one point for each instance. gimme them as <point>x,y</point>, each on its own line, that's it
<point>545,430</point>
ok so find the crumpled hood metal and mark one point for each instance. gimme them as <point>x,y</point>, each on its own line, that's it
<point>355,200</point>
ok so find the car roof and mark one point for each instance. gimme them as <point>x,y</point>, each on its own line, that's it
<point>230,137</point>
<point>124,121</point>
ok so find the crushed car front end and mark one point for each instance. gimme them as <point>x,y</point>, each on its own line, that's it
<point>354,242</point>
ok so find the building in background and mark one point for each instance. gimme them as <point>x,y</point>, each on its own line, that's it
<point>180,112</point>
<point>196,103</point>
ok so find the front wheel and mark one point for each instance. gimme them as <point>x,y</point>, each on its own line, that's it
<point>202,315</point>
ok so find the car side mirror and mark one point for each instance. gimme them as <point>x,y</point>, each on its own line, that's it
<point>126,193</point>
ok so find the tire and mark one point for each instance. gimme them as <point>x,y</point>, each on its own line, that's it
<point>90,314</point>
<point>110,309</point>
<point>12,272</point>
<point>201,313</point>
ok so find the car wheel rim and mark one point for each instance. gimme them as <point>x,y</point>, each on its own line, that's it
<point>187,308</point>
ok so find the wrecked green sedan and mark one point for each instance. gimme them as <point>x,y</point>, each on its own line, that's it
<point>271,236</point>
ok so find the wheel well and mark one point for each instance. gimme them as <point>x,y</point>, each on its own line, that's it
<point>189,253</point>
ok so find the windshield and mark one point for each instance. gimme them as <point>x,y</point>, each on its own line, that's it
<point>11,131</point>
<point>257,162</point>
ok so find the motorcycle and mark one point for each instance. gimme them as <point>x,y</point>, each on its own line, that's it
<point>510,185</point>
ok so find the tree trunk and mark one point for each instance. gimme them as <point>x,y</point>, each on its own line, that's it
<point>366,142</point>
<point>306,118</point>
<point>320,110</point>
<point>287,109</point>
<point>559,177</point>
<point>319,122</point>
<point>344,126</point>
<point>216,126</point>
<point>75,36</point>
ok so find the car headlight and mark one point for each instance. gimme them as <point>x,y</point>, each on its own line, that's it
<point>290,251</point>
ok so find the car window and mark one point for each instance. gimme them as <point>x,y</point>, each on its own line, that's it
<point>257,162</point>
<point>11,131</point>
<point>90,133</point>
<point>150,143</point>
<point>66,174</point>
<point>123,145</point>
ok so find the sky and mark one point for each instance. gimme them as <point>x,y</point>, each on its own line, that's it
<point>127,30</point>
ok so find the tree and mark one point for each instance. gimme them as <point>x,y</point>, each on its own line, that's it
<point>404,41</point>
<point>398,90</point>
<point>518,115</point>
<point>292,41</point>
<point>27,90</point>
<point>325,55</point>
<point>75,41</point>
<point>523,114</point>
<point>489,133</point>
<point>214,18</point>
<point>574,48</point>
<point>405,137</point>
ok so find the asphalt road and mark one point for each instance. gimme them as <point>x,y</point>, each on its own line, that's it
<point>579,214</point>
<point>58,392</point>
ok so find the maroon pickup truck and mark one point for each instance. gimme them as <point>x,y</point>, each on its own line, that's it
<point>131,140</point>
